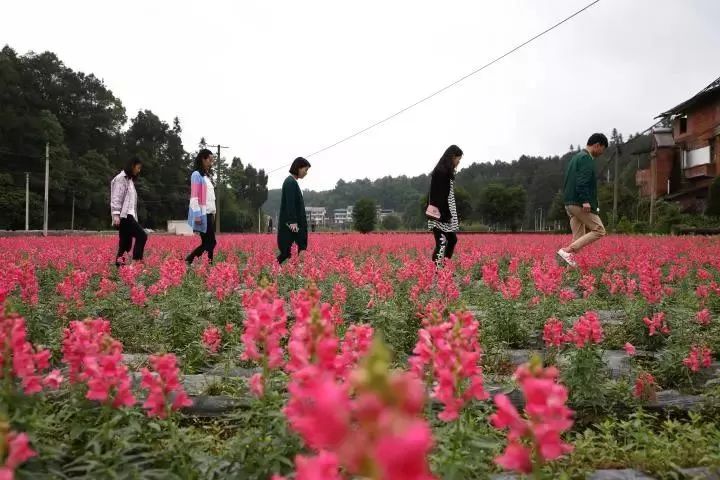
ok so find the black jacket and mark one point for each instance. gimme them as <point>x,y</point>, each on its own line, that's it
<point>439,193</point>
<point>292,210</point>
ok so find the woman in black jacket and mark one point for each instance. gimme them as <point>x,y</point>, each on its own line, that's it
<point>442,212</point>
<point>292,224</point>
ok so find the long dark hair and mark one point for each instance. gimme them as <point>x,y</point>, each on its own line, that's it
<point>130,166</point>
<point>202,155</point>
<point>445,164</point>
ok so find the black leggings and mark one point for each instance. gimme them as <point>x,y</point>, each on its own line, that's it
<point>129,229</point>
<point>444,245</point>
<point>208,241</point>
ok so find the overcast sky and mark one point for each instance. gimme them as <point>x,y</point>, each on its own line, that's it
<point>279,79</point>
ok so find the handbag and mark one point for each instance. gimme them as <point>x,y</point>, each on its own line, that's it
<point>432,212</point>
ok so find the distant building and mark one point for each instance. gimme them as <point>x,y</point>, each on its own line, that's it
<point>179,227</point>
<point>316,215</point>
<point>382,213</point>
<point>343,216</point>
<point>685,158</point>
<point>660,176</point>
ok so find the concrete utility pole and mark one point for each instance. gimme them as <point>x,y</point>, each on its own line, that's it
<point>616,182</point>
<point>47,187</point>
<point>217,194</point>
<point>27,201</point>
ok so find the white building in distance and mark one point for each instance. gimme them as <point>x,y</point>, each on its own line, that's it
<point>316,215</point>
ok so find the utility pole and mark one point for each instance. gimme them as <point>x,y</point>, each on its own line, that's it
<point>72,215</point>
<point>616,182</point>
<point>47,187</point>
<point>27,201</point>
<point>217,194</point>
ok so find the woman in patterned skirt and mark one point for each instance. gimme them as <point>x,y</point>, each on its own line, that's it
<point>441,211</point>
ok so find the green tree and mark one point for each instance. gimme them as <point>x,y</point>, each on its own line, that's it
<point>12,205</point>
<point>391,223</point>
<point>463,203</point>
<point>516,201</point>
<point>491,203</point>
<point>414,214</point>
<point>499,204</point>
<point>91,191</point>
<point>557,211</point>
<point>713,205</point>
<point>364,215</point>
<point>163,184</point>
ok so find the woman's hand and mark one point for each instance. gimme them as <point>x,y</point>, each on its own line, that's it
<point>198,220</point>
<point>116,220</point>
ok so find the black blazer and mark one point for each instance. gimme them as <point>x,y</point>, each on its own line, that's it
<point>439,193</point>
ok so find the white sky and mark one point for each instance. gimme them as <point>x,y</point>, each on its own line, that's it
<point>279,79</point>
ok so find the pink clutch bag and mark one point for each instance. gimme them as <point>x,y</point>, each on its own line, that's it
<point>432,212</point>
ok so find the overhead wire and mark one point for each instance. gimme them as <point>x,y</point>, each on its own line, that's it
<point>446,87</point>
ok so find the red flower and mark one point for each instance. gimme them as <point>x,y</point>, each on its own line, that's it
<point>516,457</point>
<point>165,392</point>
<point>265,327</point>
<point>257,385</point>
<point>547,277</point>
<point>212,339</point>
<point>324,466</point>
<point>645,387</point>
<point>507,416</point>
<point>376,432</point>
<point>553,333</point>
<point>657,323</point>
<point>703,317</point>
<point>586,330</point>
<point>630,349</point>
<point>546,418</point>
<point>567,295</point>
<point>452,351</point>
<point>511,288</point>
<point>138,296</point>
<point>19,451</point>
<point>699,356</point>
<point>25,361</point>
<point>95,358</point>
<point>415,443</point>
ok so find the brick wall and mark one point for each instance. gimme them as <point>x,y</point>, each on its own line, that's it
<point>701,123</point>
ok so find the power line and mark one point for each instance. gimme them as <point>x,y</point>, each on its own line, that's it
<point>625,144</point>
<point>478,70</point>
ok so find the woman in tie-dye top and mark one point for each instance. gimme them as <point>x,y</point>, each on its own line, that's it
<point>201,213</point>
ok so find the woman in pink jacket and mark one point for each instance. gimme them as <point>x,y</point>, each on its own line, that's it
<point>123,207</point>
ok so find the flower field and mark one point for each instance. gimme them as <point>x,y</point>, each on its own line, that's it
<point>358,360</point>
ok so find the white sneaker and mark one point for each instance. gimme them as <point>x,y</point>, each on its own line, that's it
<point>567,257</point>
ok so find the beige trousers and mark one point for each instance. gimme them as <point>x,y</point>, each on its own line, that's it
<point>586,227</point>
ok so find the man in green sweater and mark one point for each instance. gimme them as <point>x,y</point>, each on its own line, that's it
<point>581,199</point>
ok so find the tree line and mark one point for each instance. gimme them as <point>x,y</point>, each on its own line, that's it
<point>44,101</point>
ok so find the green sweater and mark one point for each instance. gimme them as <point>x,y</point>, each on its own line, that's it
<point>581,181</point>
